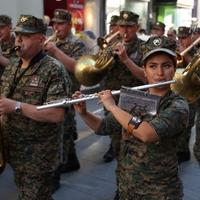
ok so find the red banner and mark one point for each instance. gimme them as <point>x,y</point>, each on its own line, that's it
<point>76,7</point>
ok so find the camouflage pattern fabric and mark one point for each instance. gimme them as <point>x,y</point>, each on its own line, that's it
<point>119,75</point>
<point>149,171</point>
<point>196,147</point>
<point>33,148</point>
<point>74,48</point>
<point>8,51</point>
<point>29,182</point>
<point>183,142</point>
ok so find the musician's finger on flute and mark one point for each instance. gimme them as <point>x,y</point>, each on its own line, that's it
<point>69,101</point>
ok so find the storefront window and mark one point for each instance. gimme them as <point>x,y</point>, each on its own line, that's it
<point>114,7</point>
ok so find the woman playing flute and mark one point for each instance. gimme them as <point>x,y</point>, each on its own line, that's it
<point>147,165</point>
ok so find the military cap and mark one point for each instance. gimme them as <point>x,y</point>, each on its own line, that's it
<point>184,31</point>
<point>159,25</point>
<point>5,20</point>
<point>30,24</point>
<point>128,18</point>
<point>61,15</point>
<point>114,19</point>
<point>157,44</point>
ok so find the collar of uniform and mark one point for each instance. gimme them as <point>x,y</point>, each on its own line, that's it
<point>35,63</point>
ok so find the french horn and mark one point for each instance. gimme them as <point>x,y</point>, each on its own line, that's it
<point>90,69</point>
<point>188,82</point>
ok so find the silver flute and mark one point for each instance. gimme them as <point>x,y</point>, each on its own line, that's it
<point>69,101</point>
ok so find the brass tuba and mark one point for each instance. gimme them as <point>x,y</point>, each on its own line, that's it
<point>2,156</point>
<point>90,69</point>
<point>188,82</point>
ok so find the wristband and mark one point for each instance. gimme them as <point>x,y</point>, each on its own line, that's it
<point>134,123</point>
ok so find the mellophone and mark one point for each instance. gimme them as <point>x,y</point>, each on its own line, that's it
<point>69,101</point>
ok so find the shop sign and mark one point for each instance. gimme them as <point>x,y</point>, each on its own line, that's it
<point>76,7</point>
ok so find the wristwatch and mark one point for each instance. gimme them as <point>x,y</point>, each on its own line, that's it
<point>134,123</point>
<point>18,108</point>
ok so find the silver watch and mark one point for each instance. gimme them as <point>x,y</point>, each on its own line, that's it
<point>18,108</point>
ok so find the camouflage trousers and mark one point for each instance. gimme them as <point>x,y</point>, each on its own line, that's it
<point>196,147</point>
<point>128,191</point>
<point>34,186</point>
<point>115,138</point>
<point>69,135</point>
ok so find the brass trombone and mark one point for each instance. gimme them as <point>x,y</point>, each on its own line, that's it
<point>180,55</point>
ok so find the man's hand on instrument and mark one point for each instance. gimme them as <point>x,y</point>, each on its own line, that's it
<point>120,50</point>
<point>50,47</point>
<point>7,105</point>
<point>81,106</point>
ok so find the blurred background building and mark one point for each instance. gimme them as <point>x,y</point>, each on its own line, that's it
<point>95,14</point>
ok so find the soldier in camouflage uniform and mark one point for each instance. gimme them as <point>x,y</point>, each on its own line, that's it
<point>147,164</point>
<point>196,147</point>
<point>113,27</point>
<point>31,137</point>
<point>118,74</point>
<point>185,40</point>
<point>158,29</point>
<point>67,49</point>
<point>7,42</point>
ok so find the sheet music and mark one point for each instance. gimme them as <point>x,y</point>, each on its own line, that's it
<point>138,102</point>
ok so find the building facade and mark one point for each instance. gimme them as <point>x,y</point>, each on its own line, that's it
<point>95,14</point>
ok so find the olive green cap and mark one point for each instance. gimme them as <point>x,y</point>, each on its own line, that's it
<point>61,15</point>
<point>5,20</point>
<point>114,20</point>
<point>30,24</point>
<point>128,18</point>
<point>157,44</point>
<point>184,31</point>
<point>159,25</point>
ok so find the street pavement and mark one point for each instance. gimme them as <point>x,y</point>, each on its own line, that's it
<point>95,180</point>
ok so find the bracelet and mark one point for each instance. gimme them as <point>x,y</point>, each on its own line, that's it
<point>134,123</point>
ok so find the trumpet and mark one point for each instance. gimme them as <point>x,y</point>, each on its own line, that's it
<point>69,101</point>
<point>51,38</point>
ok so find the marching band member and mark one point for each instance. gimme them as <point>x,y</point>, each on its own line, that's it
<point>147,165</point>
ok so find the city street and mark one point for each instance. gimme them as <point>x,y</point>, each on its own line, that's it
<point>96,180</point>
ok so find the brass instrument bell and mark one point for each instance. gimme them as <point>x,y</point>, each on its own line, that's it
<point>90,69</point>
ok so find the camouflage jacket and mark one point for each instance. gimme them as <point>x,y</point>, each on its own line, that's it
<point>118,74</point>
<point>32,145</point>
<point>75,48</point>
<point>8,51</point>
<point>152,167</point>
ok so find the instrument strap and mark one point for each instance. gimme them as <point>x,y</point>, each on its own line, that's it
<point>16,78</point>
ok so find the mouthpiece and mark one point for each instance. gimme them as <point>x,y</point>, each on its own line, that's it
<point>17,48</point>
